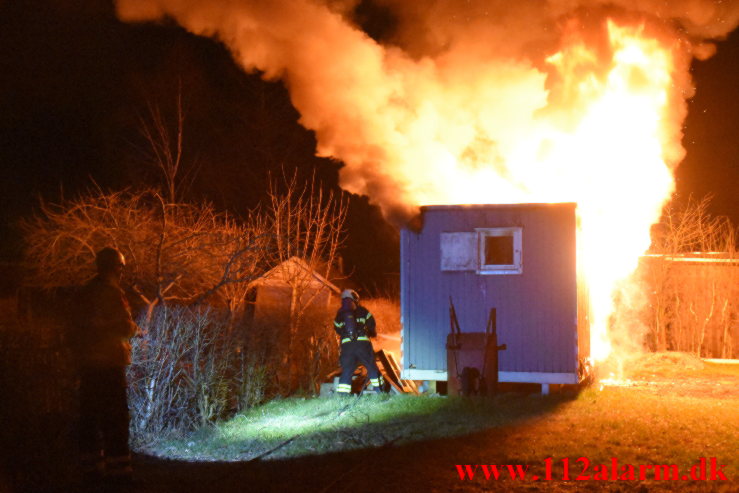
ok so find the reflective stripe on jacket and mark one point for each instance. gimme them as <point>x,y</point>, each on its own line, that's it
<point>364,322</point>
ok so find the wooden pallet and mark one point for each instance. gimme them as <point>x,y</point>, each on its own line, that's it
<point>391,373</point>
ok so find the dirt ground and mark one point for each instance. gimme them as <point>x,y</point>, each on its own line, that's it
<point>671,373</point>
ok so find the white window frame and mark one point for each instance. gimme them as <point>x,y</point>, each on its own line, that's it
<point>516,267</point>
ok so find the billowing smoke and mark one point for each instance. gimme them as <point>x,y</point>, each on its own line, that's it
<point>446,84</point>
<point>493,101</point>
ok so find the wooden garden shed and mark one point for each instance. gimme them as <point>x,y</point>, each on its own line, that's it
<point>289,283</point>
<point>519,259</point>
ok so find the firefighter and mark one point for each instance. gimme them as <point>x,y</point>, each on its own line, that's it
<point>99,338</point>
<point>355,325</point>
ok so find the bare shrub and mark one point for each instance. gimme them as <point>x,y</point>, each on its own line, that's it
<point>181,375</point>
<point>251,380</point>
<point>693,278</point>
<point>691,228</point>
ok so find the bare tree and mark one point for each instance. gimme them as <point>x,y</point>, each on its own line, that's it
<point>308,226</point>
<point>163,134</point>
<point>691,228</point>
<point>180,253</point>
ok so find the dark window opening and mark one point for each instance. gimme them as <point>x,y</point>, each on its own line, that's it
<point>499,250</point>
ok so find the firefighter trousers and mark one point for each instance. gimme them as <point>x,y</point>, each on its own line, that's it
<point>103,426</point>
<point>355,353</point>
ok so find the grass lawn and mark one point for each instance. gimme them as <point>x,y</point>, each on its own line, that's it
<point>661,416</point>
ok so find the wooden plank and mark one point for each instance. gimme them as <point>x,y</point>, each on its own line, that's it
<point>410,384</point>
<point>391,373</point>
<point>387,371</point>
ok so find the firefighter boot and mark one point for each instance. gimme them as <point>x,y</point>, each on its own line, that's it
<point>376,384</point>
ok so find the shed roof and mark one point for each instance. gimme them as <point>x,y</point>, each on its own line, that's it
<point>281,272</point>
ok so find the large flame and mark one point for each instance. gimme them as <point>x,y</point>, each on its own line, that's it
<point>610,158</point>
<point>489,101</point>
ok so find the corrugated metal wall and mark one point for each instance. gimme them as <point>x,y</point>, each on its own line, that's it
<point>537,310</point>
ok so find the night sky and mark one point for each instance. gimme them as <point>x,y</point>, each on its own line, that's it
<point>76,82</point>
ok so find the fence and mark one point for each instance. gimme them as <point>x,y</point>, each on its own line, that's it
<point>693,303</point>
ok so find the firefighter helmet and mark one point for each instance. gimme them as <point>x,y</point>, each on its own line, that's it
<point>350,293</point>
<point>108,259</point>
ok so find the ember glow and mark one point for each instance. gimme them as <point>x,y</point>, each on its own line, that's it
<point>489,101</point>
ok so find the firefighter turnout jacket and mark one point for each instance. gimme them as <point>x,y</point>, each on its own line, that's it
<point>354,324</point>
<point>102,326</point>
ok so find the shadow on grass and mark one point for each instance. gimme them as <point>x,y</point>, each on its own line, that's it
<point>410,453</point>
<point>367,422</point>
<point>416,466</point>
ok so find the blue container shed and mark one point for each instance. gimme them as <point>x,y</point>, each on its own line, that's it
<point>517,258</point>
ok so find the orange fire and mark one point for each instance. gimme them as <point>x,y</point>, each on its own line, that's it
<point>607,150</point>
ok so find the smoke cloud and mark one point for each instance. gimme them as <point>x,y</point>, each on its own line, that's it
<point>446,83</point>
<point>491,101</point>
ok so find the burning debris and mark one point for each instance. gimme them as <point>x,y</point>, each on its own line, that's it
<point>488,102</point>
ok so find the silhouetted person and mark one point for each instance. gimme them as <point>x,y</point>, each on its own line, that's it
<point>99,336</point>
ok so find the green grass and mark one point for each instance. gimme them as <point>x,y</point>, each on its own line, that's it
<point>636,426</point>
<point>681,411</point>
<point>317,426</point>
